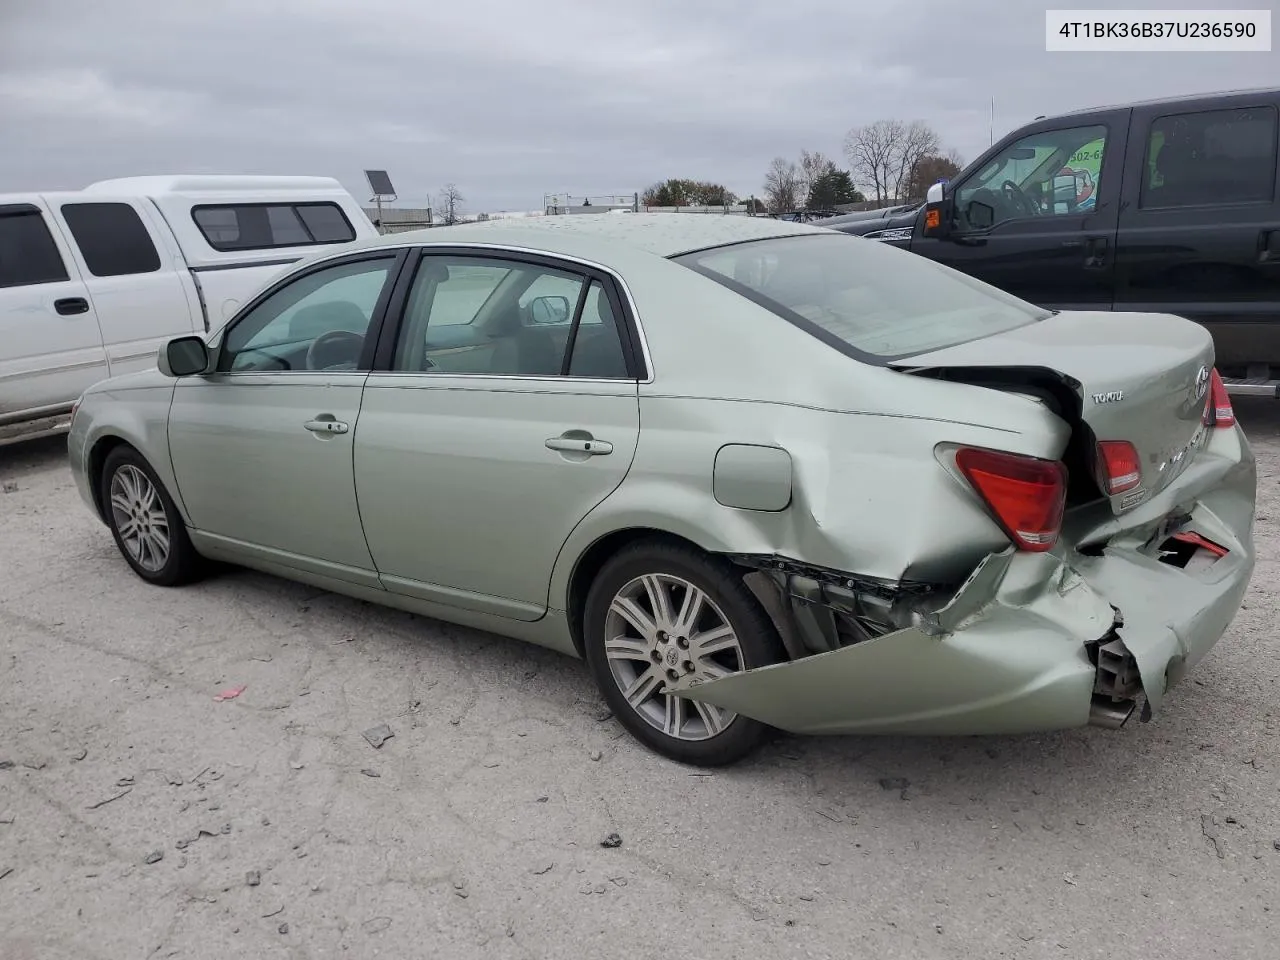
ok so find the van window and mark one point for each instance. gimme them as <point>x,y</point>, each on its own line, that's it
<point>1209,157</point>
<point>262,226</point>
<point>1045,174</point>
<point>28,254</point>
<point>112,239</point>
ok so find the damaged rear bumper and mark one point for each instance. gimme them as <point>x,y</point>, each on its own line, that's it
<point>1035,642</point>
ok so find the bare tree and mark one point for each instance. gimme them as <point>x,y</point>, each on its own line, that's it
<point>813,167</point>
<point>928,170</point>
<point>450,203</point>
<point>873,152</point>
<point>782,185</point>
<point>917,142</point>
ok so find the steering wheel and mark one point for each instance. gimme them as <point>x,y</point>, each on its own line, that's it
<point>316,360</point>
<point>1014,193</point>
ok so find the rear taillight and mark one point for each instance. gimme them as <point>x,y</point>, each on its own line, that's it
<point>1218,412</point>
<point>1026,495</point>
<point>1119,468</point>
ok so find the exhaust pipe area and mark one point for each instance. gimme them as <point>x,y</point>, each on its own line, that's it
<point>1110,714</point>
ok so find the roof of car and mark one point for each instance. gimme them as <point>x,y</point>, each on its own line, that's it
<point>211,183</point>
<point>662,234</point>
<point>1171,101</point>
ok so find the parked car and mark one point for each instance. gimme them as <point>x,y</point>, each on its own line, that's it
<point>756,473</point>
<point>92,282</point>
<point>1169,206</point>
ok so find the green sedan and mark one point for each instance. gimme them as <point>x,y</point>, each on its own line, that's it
<point>757,474</point>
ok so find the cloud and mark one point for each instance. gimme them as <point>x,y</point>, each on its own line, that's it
<point>511,100</point>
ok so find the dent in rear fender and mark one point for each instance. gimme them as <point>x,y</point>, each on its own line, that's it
<point>1007,654</point>
<point>866,491</point>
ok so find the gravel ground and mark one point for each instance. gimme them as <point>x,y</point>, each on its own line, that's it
<point>139,817</point>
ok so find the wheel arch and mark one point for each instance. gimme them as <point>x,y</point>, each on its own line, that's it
<point>96,459</point>
<point>590,562</point>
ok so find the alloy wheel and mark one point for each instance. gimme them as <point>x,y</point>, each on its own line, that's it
<point>660,629</point>
<point>139,517</point>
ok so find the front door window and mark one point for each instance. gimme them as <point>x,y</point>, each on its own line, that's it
<point>316,323</point>
<point>1046,174</point>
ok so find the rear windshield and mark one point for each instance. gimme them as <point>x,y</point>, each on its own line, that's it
<point>868,299</point>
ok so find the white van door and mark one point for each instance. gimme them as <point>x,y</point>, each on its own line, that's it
<point>50,345</point>
<point>136,276</point>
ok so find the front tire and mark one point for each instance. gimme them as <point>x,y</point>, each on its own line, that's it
<point>144,521</point>
<point>658,611</point>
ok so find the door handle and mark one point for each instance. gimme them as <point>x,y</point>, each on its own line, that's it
<point>325,426</point>
<point>1095,253</point>
<point>1269,246</point>
<point>595,448</point>
<point>70,306</point>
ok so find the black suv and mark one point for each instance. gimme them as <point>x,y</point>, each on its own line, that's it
<point>1168,206</point>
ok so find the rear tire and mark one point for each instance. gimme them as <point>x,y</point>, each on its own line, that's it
<point>708,623</point>
<point>144,521</point>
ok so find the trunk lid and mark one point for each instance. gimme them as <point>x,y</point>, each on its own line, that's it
<point>1138,377</point>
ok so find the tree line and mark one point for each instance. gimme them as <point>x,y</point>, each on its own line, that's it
<point>896,161</point>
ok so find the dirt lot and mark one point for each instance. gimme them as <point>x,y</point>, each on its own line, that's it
<point>140,818</point>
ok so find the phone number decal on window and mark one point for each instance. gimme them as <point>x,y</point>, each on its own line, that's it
<point>1158,30</point>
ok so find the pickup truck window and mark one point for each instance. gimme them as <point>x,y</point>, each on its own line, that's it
<point>112,239</point>
<point>1211,157</point>
<point>262,226</point>
<point>28,254</point>
<point>1045,174</point>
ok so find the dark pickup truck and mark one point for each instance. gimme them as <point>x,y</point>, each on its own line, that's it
<point>1168,206</point>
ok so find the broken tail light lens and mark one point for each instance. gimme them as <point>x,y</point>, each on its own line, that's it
<point>1218,412</point>
<point>1025,494</point>
<point>1119,468</point>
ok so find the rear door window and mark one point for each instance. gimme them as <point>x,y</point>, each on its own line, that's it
<point>112,238</point>
<point>1211,157</point>
<point>28,253</point>
<point>262,226</point>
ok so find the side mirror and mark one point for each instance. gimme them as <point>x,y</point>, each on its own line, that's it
<point>183,357</point>
<point>936,219</point>
<point>981,216</point>
<point>549,310</point>
<point>1065,189</point>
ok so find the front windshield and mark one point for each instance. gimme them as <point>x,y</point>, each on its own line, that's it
<point>864,297</point>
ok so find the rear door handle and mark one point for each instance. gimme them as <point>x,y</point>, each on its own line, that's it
<point>323,425</point>
<point>70,306</point>
<point>595,448</point>
<point>1269,246</point>
<point>1095,252</point>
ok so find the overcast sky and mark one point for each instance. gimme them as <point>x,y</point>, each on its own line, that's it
<point>512,99</point>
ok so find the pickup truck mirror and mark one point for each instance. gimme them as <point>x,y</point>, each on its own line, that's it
<point>183,357</point>
<point>1065,189</point>
<point>937,217</point>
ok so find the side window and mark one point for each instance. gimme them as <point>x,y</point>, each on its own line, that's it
<point>1045,174</point>
<point>491,317</point>
<point>28,254</point>
<point>597,346</point>
<point>317,322</point>
<point>261,226</point>
<point>112,239</point>
<point>1211,157</point>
